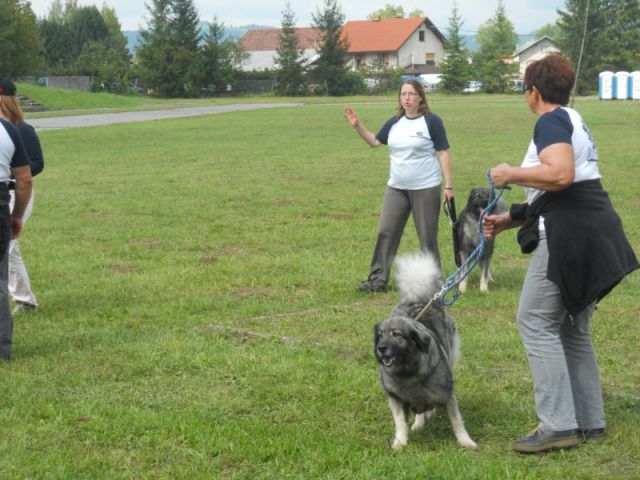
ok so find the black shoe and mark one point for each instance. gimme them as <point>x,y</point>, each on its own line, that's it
<point>542,440</point>
<point>591,433</point>
<point>372,286</point>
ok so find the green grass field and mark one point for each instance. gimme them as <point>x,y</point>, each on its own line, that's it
<point>199,317</point>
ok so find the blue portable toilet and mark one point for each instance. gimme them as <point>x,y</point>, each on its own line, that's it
<point>605,85</point>
<point>621,86</point>
<point>634,85</point>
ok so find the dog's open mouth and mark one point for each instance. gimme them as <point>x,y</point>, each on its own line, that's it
<point>387,361</point>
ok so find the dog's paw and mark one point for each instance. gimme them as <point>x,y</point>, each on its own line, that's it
<point>467,443</point>
<point>418,423</point>
<point>397,444</point>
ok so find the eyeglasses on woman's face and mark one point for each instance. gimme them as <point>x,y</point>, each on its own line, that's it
<point>526,88</point>
<point>409,94</point>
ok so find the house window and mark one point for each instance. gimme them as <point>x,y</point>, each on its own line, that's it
<point>358,61</point>
<point>430,58</point>
<point>421,35</point>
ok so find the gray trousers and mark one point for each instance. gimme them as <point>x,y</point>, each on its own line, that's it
<point>6,323</point>
<point>561,356</point>
<point>397,205</point>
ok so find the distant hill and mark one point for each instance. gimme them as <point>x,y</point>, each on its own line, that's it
<point>233,33</point>
<point>470,41</point>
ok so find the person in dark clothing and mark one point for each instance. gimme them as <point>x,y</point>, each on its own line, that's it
<point>14,164</point>
<point>19,282</point>
<point>580,253</point>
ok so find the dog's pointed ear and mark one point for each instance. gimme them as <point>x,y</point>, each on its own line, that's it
<point>421,337</point>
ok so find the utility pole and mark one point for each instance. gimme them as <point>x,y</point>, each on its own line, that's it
<point>584,36</point>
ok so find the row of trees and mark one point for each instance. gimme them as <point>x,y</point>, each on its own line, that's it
<point>70,40</point>
<point>178,57</point>
<point>612,42</point>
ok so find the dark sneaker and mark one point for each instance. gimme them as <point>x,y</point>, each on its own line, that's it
<point>542,440</point>
<point>372,286</point>
<point>591,433</point>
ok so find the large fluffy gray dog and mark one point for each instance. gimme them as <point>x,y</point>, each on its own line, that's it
<point>416,357</point>
<point>469,234</point>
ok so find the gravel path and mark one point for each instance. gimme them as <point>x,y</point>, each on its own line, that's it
<point>77,121</point>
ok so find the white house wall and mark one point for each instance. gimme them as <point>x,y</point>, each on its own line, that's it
<point>266,59</point>
<point>413,52</point>
<point>535,52</point>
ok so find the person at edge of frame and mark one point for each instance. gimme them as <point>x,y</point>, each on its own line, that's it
<point>580,253</point>
<point>14,163</point>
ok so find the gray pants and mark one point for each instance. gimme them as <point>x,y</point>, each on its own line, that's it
<point>6,323</point>
<point>560,351</point>
<point>397,205</point>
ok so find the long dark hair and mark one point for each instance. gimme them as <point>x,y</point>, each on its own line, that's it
<point>423,107</point>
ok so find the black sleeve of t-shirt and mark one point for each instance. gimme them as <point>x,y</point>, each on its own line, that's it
<point>551,128</point>
<point>32,144</point>
<point>383,134</point>
<point>437,131</point>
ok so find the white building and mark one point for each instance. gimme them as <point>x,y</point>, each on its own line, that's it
<point>414,44</point>
<point>533,51</point>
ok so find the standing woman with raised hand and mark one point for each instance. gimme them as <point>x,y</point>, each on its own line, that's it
<point>14,164</point>
<point>419,154</point>
<point>19,283</point>
<point>580,253</point>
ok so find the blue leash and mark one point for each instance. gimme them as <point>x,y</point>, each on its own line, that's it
<point>470,263</point>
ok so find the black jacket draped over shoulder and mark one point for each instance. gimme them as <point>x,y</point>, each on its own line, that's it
<point>589,253</point>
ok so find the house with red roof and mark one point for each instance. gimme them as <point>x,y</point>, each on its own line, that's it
<point>413,44</point>
<point>261,45</point>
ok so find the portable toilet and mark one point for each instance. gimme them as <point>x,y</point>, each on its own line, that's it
<point>634,85</point>
<point>605,85</point>
<point>621,90</point>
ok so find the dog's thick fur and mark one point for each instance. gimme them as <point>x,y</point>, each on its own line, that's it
<point>469,234</point>
<point>416,357</point>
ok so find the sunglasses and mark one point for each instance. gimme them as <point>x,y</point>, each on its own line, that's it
<point>526,88</point>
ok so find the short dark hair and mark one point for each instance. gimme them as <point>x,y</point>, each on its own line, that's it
<point>553,76</point>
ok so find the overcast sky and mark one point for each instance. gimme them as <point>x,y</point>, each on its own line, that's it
<point>526,15</point>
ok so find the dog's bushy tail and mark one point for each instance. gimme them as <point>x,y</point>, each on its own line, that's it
<point>417,277</point>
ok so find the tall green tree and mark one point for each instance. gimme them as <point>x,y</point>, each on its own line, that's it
<point>621,40</point>
<point>169,47</point>
<point>289,60</point>
<point>186,38</point>
<point>496,45</point>
<point>455,68</point>
<point>81,40</point>
<point>388,11</point>
<point>107,61</point>
<point>394,11</point>
<point>19,33</point>
<point>331,67</point>
<point>612,40</point>
<point>155,53</point>
<point>218,59</point>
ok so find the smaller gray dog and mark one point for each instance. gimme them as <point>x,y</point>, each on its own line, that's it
<point>469,234</point>
<point>416,357</point>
